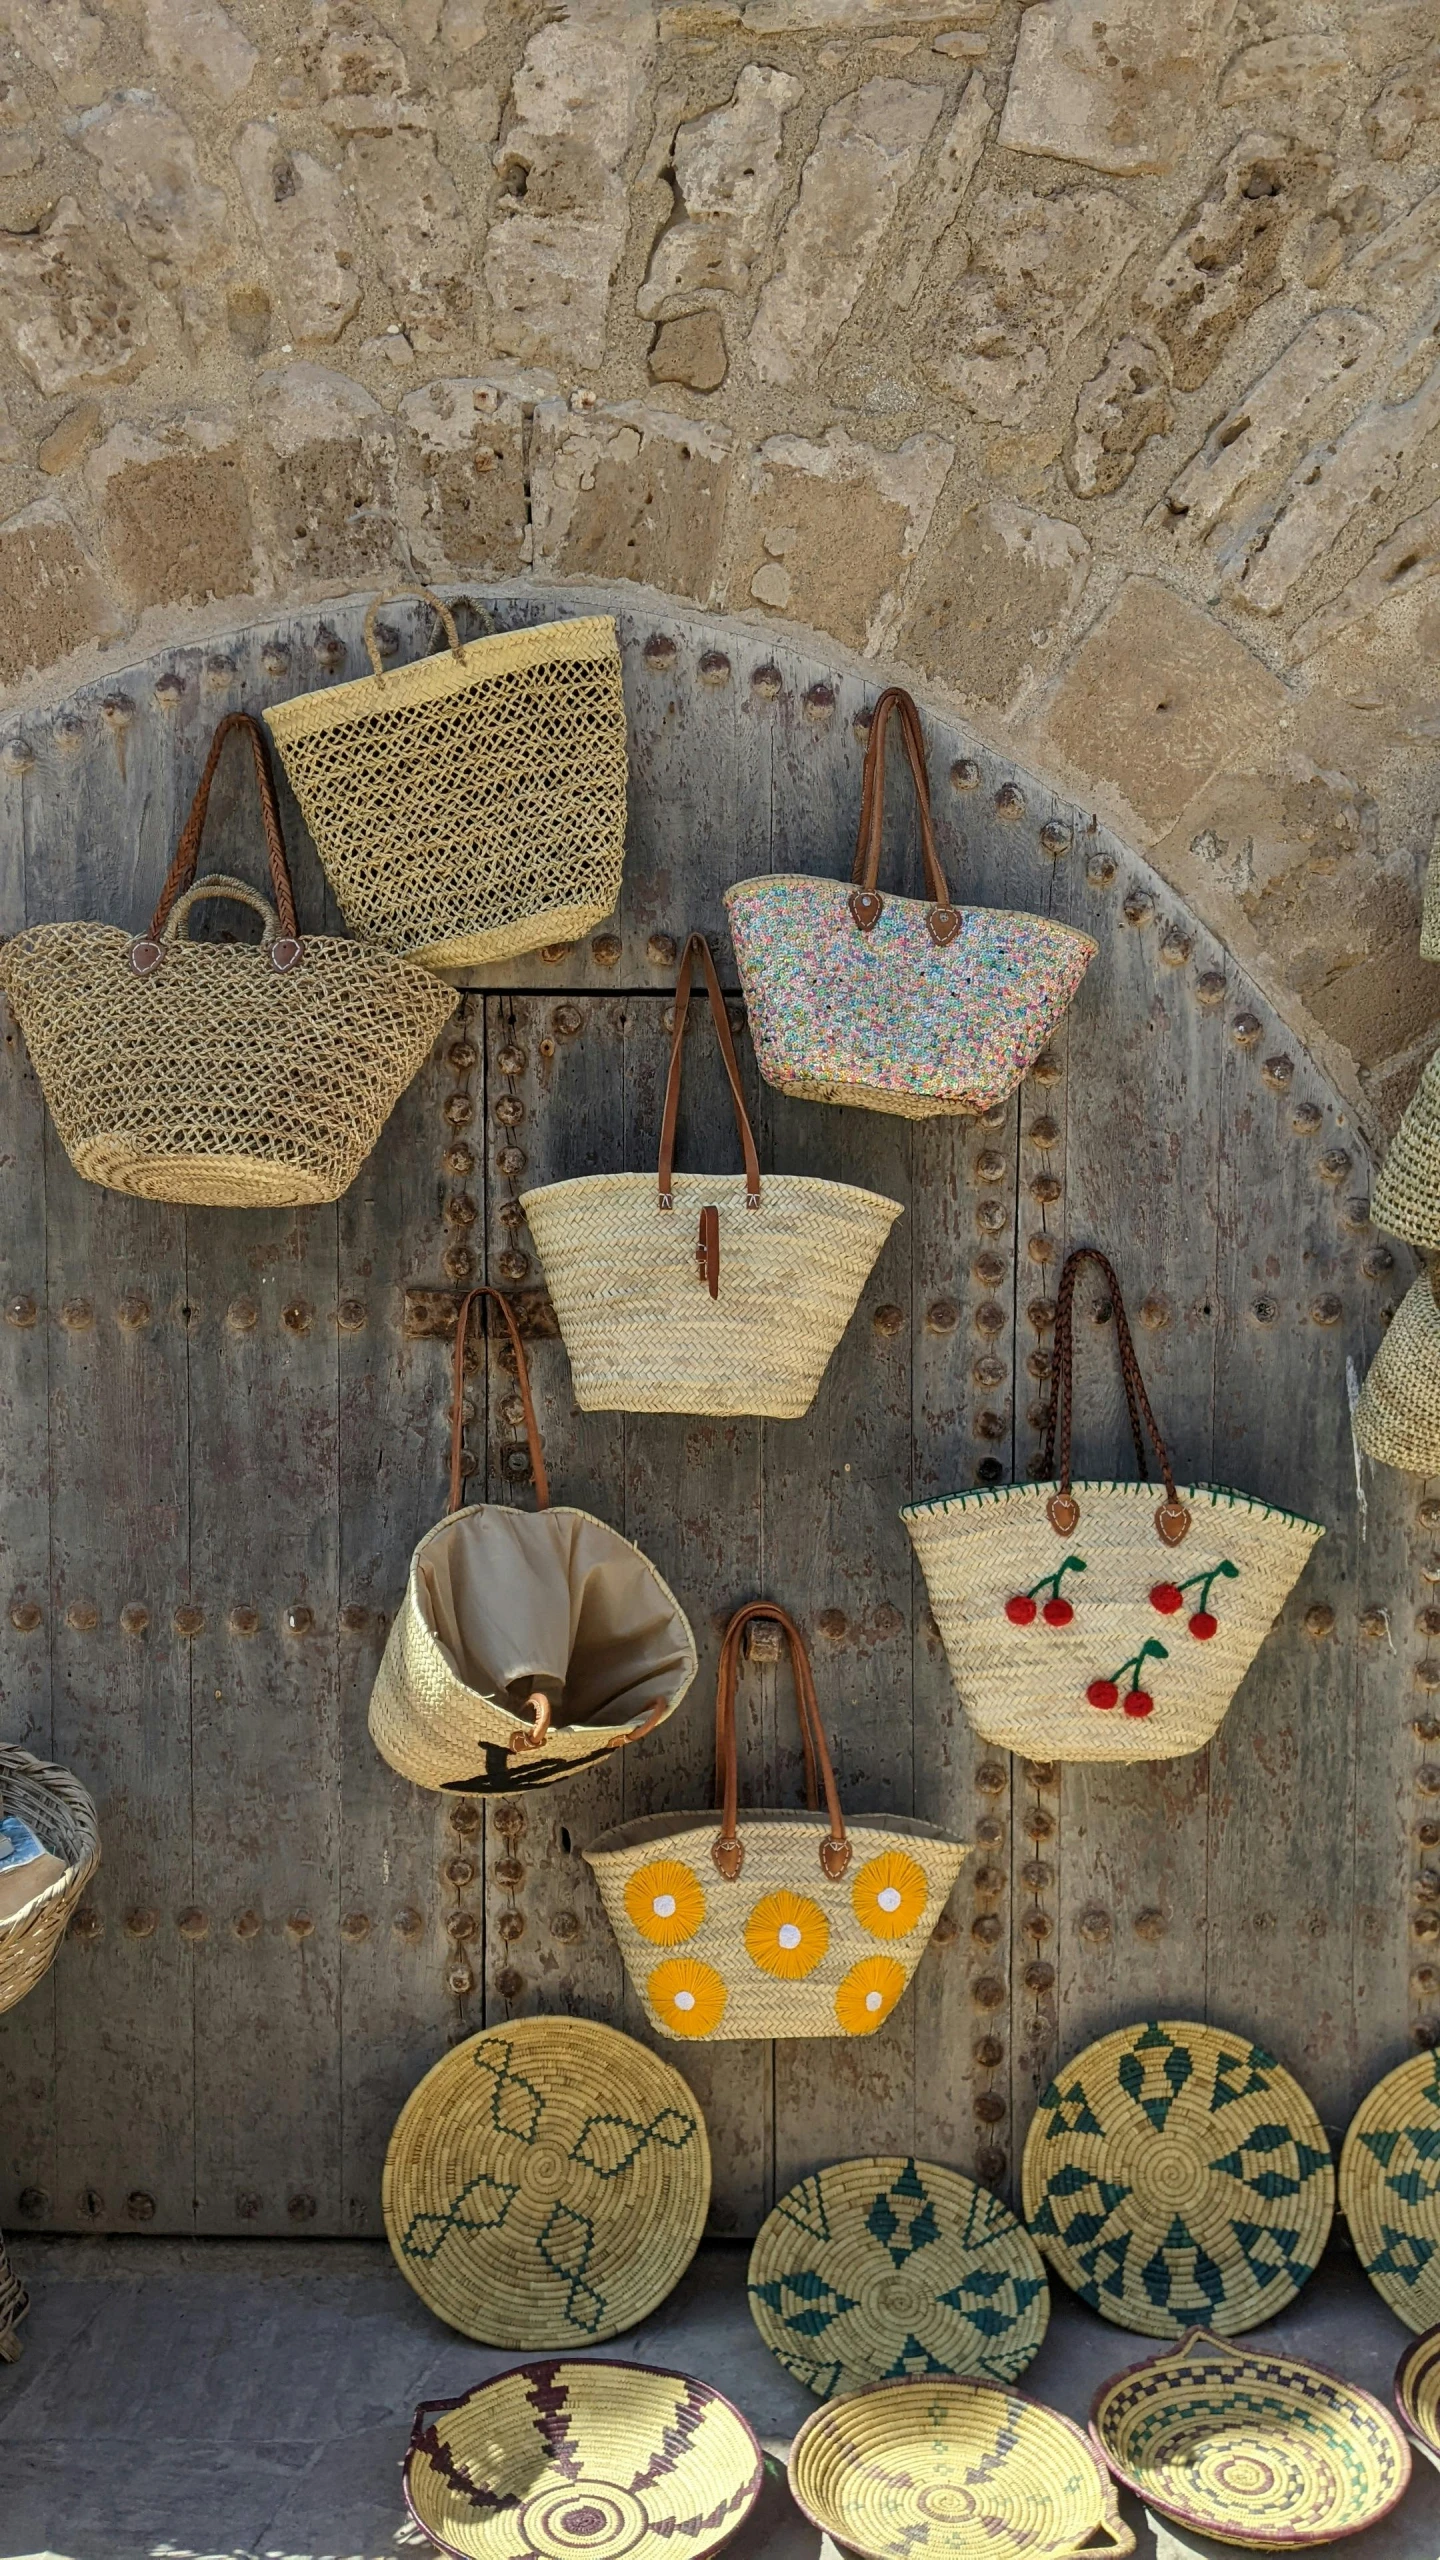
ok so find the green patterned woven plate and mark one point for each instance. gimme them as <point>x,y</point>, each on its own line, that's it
<point>1417,2392</point>
<point>1176,2175</point>
<point>875,2270</point>
<point>1390,2188</point>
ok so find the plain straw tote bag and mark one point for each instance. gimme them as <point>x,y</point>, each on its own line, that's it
<point>528,1644</point>
<point>779,1923</point>
<point>896,1004</point>
<point>704,1292</point>
<point>1397,1415</point>
<point>1406,1201</point>
<point>226,1075</point>
<point>472,805</point>
<point>1084,1621</point>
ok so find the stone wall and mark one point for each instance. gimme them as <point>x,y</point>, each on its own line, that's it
<point>1088,367</point>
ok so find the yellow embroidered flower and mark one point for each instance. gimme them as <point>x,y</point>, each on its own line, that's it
<point>687,1997</point>
<point>665,1901</point>
<point>787,1935</point>
<point>889,1894</point>
<point>868,1993</point>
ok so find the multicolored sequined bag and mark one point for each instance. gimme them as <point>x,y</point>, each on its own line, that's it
<point>895,1004</point>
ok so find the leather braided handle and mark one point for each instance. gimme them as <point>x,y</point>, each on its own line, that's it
<point>727,1850</point>
<point>697,948</point>
<point>1172,1519</point>
<point>187,852</point>
<point>522,1372</point>
<point>866,904</point>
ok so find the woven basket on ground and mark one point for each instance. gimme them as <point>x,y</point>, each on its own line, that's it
<point>1388,2188</point>
<point>776,1923</point>
<point>707,1293</point>
<point>472,805</point>
<point>1406,1199</point>
<point>1250,2446</point>
<point>62,1817</point>
<point>1082,1620</point>
<point>546,2184</point>
<point>228,1075</point>
<point>1397,1416</point>
<point>1173,2173</point>
<point>1417,2392</point>
<point>528,1644</point>
<point>14,2303</point>
<point>582,2461</point>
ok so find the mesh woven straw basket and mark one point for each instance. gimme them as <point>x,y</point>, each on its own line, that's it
<point>1253,2447</point>
<point>472,805</point>
<point>1175,2174</point>
<point>226,1075</point>
<point>1082,1620</point>
<point>1417,2392</point>
<point>957,2470</point>
<point>1389,2193</point>
<point>1397,1416</point>
<point>593,2460</point>
<point>546,2184</point>
<point>896,1004</point>
<point>1430,909</point>
<point>779,1924</point>
<point>528,1644</point>
<point>14,2303</point>
<point>712,1293</point>
<point>62,1817</point>
<point>1406,1201</point>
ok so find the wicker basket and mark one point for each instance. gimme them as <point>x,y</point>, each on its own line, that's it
<point>62,1817</point>
<point>779,1924</point>
<point>472,805</point>
<point>1406,1200</point>
<point>1388,2188</point>
<point>1397,1416</point>
<point>1430,907</point>
<point>225,1075</point>
<point>14,2303</point>
<point>1082,1620</point>
<point>742,1320</point>
<point>1417,2393</point>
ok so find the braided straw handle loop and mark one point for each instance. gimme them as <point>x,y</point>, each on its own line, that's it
<point>284,949</point>
<point>866,904</point>
<point>1172,1519</point>
<point>1119,2540</point>
<point>728,1849</point>
<point>218,884</point>
<point>393,597</point>
<point>697,948</point>
<point>457,1401</point>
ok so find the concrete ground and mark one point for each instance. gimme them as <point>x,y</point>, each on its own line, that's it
<point>251,2400</point>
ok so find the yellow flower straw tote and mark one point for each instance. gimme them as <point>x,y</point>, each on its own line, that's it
<point>528,1644</point>
<point>704,1292</point>
<point>229,1075</point>
<point>472,805</point>
<point>1083,1620</point>
<point>891,1003</point>
<point>779,1923</point>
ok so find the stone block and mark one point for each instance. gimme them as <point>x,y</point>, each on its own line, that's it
<point>198,41</point>
<point>726,177</point>
<point>304,218</point>
<point>1035,271</point>
<point>630,492</point>
<point>1278,404</point>
<point>1226,260</point>
<point>1408,101</point>
<point>174,510</point>
<point>955,166</point>
<point>62,39</point>
<point>823,532</point>
<point>462,461</point>
<point>868,150</point>
<point>1294,84</point>
<point>1411,555</point>
<point>334,500</point>
<point>991,605</point>
<point>413,208</point>
<point>150,180</point>
<point>1115,416</point>
<point>1404,257</point>
<point>70,316</point>
<point>70,440</point>
<point>861,17</point>
<point>358,71</point>
<point>1117,90</point>
<point>691,351</point>
<point>51,596</point>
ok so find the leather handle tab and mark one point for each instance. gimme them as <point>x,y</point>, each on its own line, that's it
<point>541,1712</point>
<point>187,852</point>
<point>866,904</point>
<point>697,948</point>
<point>727,1850</point>
<point>707,1250</point>
<point>457,1403</point>
<point>1172,1519</point>
<point>655,1713</point>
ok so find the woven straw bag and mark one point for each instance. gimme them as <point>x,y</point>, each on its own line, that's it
<point>780,1925</point>
<point>1407,1195</point>
<point>528,1644</point>
<point>14,2303</point>
<point>890,1003</point>
<point>469,806</point>
<point>1430,906</point>
<point>226,1075</point>
<point>742,1320</point>
<point>1074,1627</point>
<point>1397,1417</point>
<point>62,1817</point>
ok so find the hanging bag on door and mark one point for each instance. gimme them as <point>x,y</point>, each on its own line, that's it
<point>1397,1417</point>
<point>528,1644</point>
<point>1082,1619</point>
<point>897,1004</point>
<point>705,1292</point>
<point>778,1923</point>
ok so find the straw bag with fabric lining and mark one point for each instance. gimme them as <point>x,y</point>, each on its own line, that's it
<point>707,1292</point>
<point>528,1644</point>
<point>223,1075</point>
<point>1397,1417</point>
<point>62,1817</point>
<point>779,1923</point>
<point>888,1003</point>
<point>1082,1620</point>
<point>469,806</point>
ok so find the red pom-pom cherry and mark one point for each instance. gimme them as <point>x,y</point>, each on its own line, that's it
<point>1203,1626</point>
<point>1167,1597</point>
<point>1103,1693</point>
<point>1021,1610</point>
<point>1057,1612</point>
<point>1139,1703</point>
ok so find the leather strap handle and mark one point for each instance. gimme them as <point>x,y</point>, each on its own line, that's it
<point>866,904</point>
<point>532,1427</point>
<point>727,1850</point>
<point>1172,1519</point>
<point>285,951</point>
<point>697,948</point>
<point>654,1714</point>
<point>393,596</point>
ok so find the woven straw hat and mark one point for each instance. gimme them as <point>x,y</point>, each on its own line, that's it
<point>62,1817</point>
<point>1417,2391</point>
<point>1397,1418</point>
<point>546,2184</point>
<point>1388,2190</point>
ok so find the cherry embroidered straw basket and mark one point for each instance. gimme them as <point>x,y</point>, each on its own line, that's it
<point>62,1817</point>
<point>1397,1417</point>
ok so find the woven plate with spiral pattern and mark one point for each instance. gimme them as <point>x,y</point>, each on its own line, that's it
<point>878,2270</point>
<point>1390,2188</point>
<point>1417,2392</point>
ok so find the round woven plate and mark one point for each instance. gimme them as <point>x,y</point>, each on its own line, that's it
<point>1251,2448</point>
<point>879,2270</point>
<point>1390,2188</point>
<point>594,2460</point>
<point>1417,2392</point>
<point>546,2184</point>
<point>956,2470</point>
<point>1173,2174</point>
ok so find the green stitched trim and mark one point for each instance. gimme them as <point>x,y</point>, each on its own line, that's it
<point>1195,1494</point>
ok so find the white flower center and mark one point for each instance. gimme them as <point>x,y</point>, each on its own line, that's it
<point>873,2000</point>
<point>788,1934</point>
<point>684,1999</point>
<point>663,1906</point>
<point>888,1898</point>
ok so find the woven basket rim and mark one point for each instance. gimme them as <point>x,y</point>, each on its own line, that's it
<point>622,1837</point>
<point>1422,2349</point>
<point>1054,928</point>
<point>986,1496</point>
<point>16,1762</point>
<point>1359,2173</point>
<point>812,1186</point>
<point>432,678</point>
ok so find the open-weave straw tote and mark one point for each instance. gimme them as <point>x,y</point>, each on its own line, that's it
<point>528,1644</point>
<point>953,2470</point>
<point>62,1817</point>
<point>1397,1413</point>
<point>1082,1620</point>
<point>779,1923</point>
<point>1173,2173</point>
<point>546,2184</point>
<point>226,1075</point>
<point>1417,2392</point>
<point>14,2303</point>
<point>1406,1200</point>
<point>1430,907</point>
<point>875,2270</point>
<point>897,1004</point>
<point>582,2461</point>
<point>472,805</point>
<point>1388,2188</point>
<point>1250,2445</point>
<point>704,1292</point>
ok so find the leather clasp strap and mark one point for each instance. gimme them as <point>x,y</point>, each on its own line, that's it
<point>707,1251</point>
<point>867,906</point>
<point>457,1406</point>
<point>727,1851</point>
<point>697,948</point>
